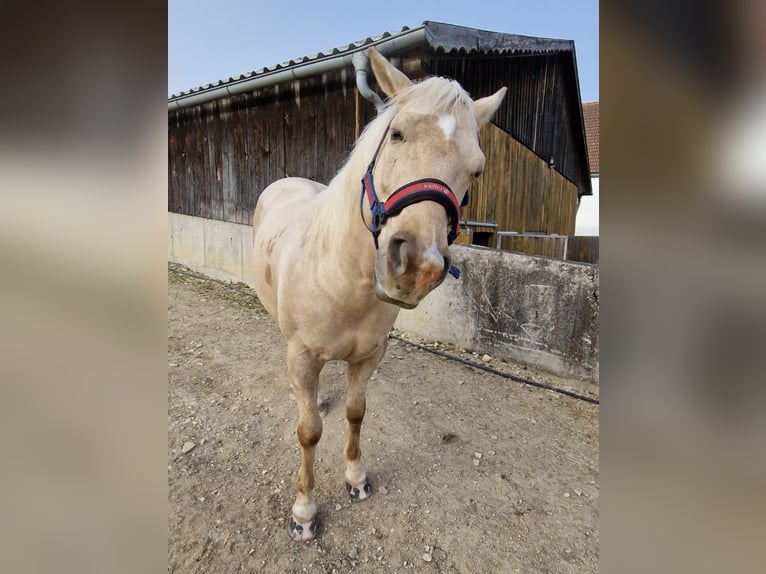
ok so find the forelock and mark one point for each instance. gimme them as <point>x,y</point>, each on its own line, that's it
<point>433,95</point>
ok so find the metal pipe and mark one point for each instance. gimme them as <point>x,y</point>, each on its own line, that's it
<point>386,46</point>
<point>361,63</point>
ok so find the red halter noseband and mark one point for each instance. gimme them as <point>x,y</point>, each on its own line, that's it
<point>410,193</point>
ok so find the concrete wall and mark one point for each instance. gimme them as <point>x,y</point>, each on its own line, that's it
<point>537,311</point>
<point>218,249</point>
<point>534,310</point>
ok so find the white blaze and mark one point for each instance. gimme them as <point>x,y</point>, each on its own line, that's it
<point>447,124</point>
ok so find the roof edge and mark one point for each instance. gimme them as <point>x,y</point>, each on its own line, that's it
<point>387,44</point>
<point>438,35</point>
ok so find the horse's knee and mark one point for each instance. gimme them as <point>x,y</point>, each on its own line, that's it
<point>310,433</point>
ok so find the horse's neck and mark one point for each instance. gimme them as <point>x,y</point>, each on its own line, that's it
<point>339,226</point>
<point>341,230</point>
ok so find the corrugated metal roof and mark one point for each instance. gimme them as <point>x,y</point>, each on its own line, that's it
<point>323,55</point>
<point>451,38</point>
<point>446,38</point>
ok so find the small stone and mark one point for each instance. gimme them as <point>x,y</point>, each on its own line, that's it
<point>353,553</point>
<point>491,453</point>
<point>486,358</point>
<point>477,455</point>
<point>414,402</point>
<point>578,492</point>
<point>338,507</point>
<point>427,557</point>
<point>566,495</point>
<point>476,462</point>
<point>383,490</point>
<point>493,436</point>
<point>188,446</point>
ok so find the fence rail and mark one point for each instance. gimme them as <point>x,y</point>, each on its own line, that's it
<point>579,248</point>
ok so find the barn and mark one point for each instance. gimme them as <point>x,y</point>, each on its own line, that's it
<point>227,141</point>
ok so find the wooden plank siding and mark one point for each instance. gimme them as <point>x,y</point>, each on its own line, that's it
<point>583,248</point>
<point>519,191</point>
<point>222,154</point>
<point>536,110</point>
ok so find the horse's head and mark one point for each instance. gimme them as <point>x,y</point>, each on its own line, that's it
<point>433,135</point>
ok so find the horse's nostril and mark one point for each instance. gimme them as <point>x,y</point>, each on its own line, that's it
<point>397,255</point>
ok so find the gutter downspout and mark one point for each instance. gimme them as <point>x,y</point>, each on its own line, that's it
<point>399,42</point>
<point>361,63</point>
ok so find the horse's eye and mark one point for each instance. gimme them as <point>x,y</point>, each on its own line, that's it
<point>476,174</point>
<point>396,136</point>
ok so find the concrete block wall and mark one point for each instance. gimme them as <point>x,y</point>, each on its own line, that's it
<point>534,310</point>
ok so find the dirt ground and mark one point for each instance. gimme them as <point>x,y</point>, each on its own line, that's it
<point>471,472</point>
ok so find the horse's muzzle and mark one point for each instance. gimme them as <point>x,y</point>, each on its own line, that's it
<point>405,272</point>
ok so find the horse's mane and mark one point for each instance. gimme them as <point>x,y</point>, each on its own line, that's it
<point>339,203</point>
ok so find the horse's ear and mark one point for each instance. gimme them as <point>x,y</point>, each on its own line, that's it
<point>389,78</point>
<point>485,108</point>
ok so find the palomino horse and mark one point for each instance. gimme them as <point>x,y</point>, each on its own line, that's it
<point>333,268</point>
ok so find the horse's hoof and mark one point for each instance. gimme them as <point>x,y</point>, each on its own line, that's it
<point>302,531</point>
<point>360,491</point>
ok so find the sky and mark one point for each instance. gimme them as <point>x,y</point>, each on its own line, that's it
<point>211,40</point>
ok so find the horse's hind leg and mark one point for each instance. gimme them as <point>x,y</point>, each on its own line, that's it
<point>357,482</point>
<point>304,372</point>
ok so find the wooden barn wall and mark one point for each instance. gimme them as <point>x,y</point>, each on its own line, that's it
<point>222,154</point>
<point>519,191</point>
<point>536,109</point>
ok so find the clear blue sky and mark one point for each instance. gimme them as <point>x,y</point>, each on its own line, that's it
<point>211,40</point>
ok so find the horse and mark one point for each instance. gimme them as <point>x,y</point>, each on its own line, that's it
<point>334,264</point>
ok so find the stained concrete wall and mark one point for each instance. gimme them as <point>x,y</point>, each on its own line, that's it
<point>534,310</point>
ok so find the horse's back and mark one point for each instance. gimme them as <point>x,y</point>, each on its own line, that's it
<point>279,210</point>
<point>281,201</point>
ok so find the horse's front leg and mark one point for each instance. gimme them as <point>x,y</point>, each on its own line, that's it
<point>304,371</point>
<point>357,483</point>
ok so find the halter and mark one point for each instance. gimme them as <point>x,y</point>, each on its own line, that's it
<point>428,189</point>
